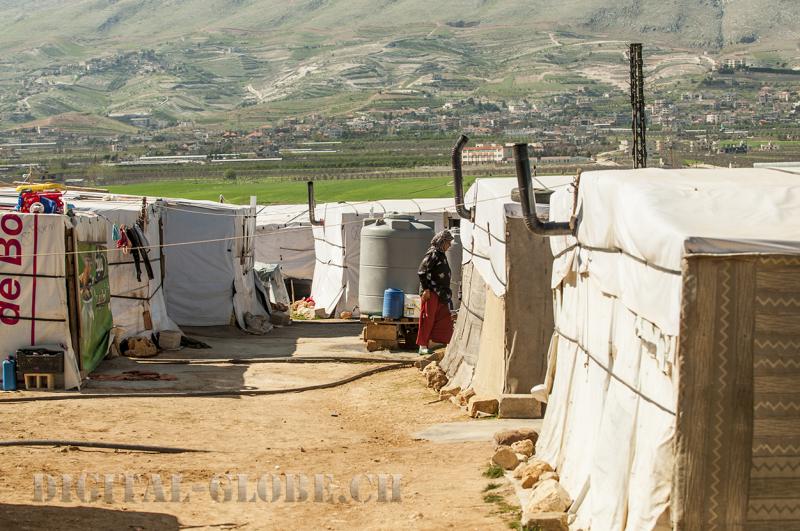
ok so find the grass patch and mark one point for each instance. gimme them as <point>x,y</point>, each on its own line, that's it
<point>491,486</point>
<point>493,472</point>
<point>283,192</point>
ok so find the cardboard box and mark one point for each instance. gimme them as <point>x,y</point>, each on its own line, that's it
<point>412,306</point>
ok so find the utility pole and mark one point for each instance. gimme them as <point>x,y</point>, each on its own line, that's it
<point>639,123</point>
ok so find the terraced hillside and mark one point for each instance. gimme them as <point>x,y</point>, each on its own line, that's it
<point>250,60</point>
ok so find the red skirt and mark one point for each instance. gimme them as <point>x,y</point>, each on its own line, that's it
<point>435,322</point>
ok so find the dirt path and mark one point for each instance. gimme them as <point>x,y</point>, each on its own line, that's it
<point>366,427</point>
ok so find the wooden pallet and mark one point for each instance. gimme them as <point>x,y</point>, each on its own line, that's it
<point>381,334</point>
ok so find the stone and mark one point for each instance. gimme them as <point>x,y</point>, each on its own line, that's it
<point>524,447</point>
<point>478,405</point>
<point>548,496</point>
<point>448,392</point>
<point>533,471</point>
<point>280,318</point>
<point>464,396</point>
<point>549,475</point>
<point>519,406</point>
<point>505,457</point>
<point>435,377</point>
<point>509,437</point>
<point>545,521</point>
<point>140,347</point>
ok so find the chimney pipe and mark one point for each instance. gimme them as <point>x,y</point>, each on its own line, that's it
<point>532,221</point>
<point>458,179</point>
<point>312,205</point>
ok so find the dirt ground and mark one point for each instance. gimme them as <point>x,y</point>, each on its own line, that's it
<point>365,427</point>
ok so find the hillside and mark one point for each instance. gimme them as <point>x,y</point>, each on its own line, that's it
<point>202,59</point>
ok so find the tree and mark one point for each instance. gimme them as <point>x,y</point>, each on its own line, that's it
<point>229,175</point>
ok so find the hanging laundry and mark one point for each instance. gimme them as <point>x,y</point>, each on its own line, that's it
<point>115,235</point>
<point>139,252</point>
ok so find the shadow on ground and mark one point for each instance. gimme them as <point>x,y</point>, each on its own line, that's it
<point>36,517</point>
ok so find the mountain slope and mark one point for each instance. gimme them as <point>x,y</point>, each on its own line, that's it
<point>189,58</point>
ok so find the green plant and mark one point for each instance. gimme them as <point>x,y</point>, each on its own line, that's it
<point>493,472</point>
<point>229,175</point>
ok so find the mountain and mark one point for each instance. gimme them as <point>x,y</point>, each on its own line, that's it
<point>201,59</point>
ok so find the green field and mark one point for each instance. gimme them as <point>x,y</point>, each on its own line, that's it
<point>294,192</point>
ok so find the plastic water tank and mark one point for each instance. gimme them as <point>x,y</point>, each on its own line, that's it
<point>392,248</point>
<point>454,255</point>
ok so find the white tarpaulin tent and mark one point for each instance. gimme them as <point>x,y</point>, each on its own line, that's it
<point>338,244</point>
<point>137,305</point>
<point>666,293</point>
<point>208,262</point>
<point>505,282</point>
<point>284,236</point>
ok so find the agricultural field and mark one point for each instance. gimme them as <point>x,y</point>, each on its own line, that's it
<point>294,192</point>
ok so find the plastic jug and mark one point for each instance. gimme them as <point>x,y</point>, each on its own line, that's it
<point>9,374</point>
<point>393,300</point>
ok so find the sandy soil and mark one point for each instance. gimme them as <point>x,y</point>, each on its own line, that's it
<point>366,427</point>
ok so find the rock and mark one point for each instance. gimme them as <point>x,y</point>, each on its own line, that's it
<point>139,347</point>
<point>509,437</point>
<point>464,396</point>
<point>522,457</point>
<point>533,471</point>
<point>448,392</point>
<point>549,475</point>
<point>519,406</point>
<point>545,521</point>
<point>346,315</point>
<point>280,318</point>
<point>478,405</point>
<point>421,364</point>
<point>524,447</point>
<point>505,457</point>
<point>435,377</point>
<point>548,496</point>
<point>431,367</point>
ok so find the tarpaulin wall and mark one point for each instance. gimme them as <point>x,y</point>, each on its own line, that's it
<point>137,302</point>
<point>209,253</point>
<point>33,293</point>
<point>338,245</point>
<point>736,445</point>
<point>622,289</point>
<point>284,236</point>
<point>502,336</point>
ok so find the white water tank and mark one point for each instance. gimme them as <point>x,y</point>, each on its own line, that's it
<point>392,248</point>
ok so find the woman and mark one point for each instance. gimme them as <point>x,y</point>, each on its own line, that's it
<point>435,321</point>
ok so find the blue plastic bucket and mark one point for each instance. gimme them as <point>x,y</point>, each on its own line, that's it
<point>393,301</point>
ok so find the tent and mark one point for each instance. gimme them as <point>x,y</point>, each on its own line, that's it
<point>137,305</point>
<point>49,299</point>
<point>284,236</point>
<point>672,376</point>
<point>337,245</point>
<point>505,322</point>
<point>209,253</point>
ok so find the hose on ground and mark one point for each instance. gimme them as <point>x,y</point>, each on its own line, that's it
<point>252,361</point>
<point>195,394</point>
<point>110,446</point>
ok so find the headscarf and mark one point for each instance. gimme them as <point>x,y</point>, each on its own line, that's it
<point>440,239</point>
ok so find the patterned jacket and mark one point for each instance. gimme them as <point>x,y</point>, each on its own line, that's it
<point>434,274</point>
